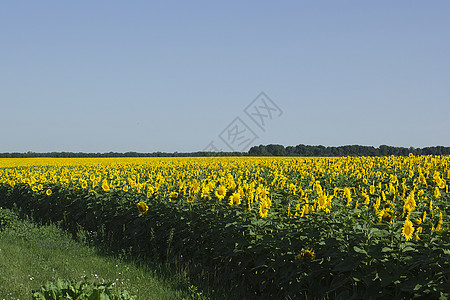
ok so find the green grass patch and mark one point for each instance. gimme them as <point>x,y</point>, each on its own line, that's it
<point>32,255</point>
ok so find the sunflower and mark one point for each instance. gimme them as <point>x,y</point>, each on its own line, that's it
<point>48,192</point>
<point>322,202</point>
<point>235,198</point>
<point>385,216</point>
<point>142,207</point>
<point>306,255</point>
<point>437,194</point>
<point>263,209</point>
<point>439,223</point>
<point>221,192</point>
<point>105,185</point>
<point>408,230</point>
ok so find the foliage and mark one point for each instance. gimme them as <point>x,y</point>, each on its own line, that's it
<point>348,150</point>
<point>7,218</point>
<point>66,289</point>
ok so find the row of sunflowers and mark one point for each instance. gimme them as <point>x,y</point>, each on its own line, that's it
<point>267,213</point>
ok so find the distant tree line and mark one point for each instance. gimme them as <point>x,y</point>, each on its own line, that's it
<point>261,150</point>
<point>349,150</point>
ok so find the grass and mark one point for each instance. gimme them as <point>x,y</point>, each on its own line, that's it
<point>31,255</point>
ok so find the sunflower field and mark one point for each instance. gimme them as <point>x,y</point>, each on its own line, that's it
<point>265,227</point>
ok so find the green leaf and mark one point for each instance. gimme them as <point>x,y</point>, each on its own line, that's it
<point>359,250</point>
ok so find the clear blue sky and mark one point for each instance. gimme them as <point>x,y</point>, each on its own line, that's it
<point>145,76</point>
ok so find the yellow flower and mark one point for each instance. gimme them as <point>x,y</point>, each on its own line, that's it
<point>322,202</point>
<point>439,222</point>
<point>306,255</point>
<point>206,197</point>
<point>383,215</point>
<point>48,192</point>
<point>105,185</point>
<point>221,192</point>
<point>264,209</point>
<point>408,230</point>
<point>437,194</point>
<point>84,184</point>
<point>305,210</point>
<point>235,199</point>
<point>372,189</point>
<point>142,207</point>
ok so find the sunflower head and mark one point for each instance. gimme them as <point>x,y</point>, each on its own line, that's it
<point>142,207</point>
<point>408,230</point>
<point>264,209</point>
<point>306,255</point>
<point>221,192</point>
<point>235,199</point>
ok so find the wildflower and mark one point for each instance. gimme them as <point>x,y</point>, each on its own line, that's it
<point>142,207</point>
